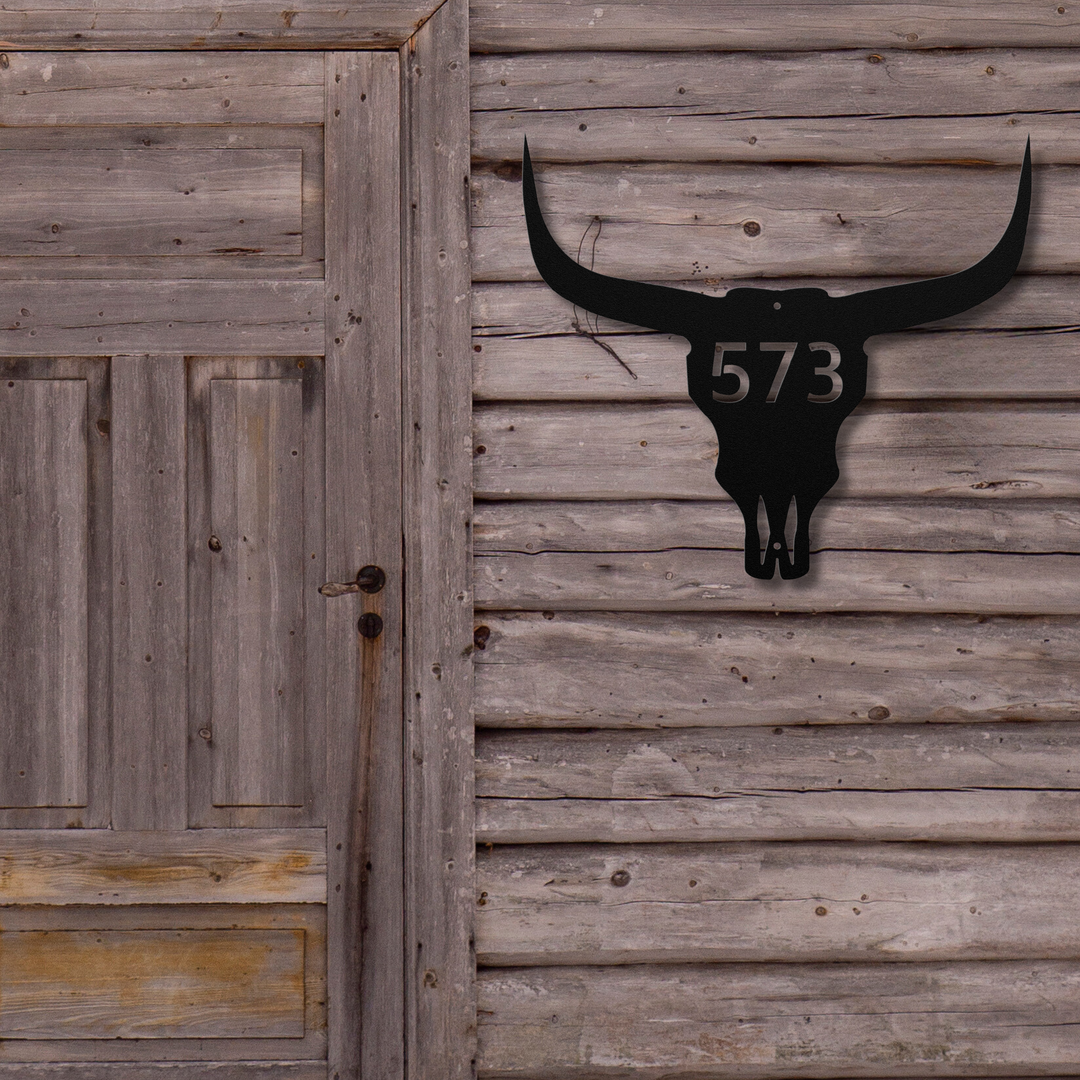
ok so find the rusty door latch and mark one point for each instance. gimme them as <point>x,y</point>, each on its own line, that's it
<point>369,579</point>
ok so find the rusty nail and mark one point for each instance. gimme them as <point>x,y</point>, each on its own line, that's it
<point>214,544</point>
<point>480,636</point>
<point>620,878</point>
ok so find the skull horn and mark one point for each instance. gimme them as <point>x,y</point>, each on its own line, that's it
<point>658,307</point>
<point>896,307</point>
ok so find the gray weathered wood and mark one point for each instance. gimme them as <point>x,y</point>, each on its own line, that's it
<point>305,921</point>
<point>363,484</point>
<point>708,762</point>
<point>207,772</point>
<point>196,24</point>
<point>439,899</point>
<point>840,581</point>
<point>683,903</point>
<point>152,983</point>
<point>170,88</point>
<point>610,670</point>
<point>149,589</point>
<point>203,866</point>
<point>750,1021</point>
<point>946,525</point>
<point>541,25</point>
<point>601,451</point>
<point>44,577</point>
<point>152,202</point>
<point>266,318</point>
<point>916,365</point>
<point>1028,302</point>
<point>687,221</point>
<point>964,816</point>
<point>756,85</point>
<point>208,1070</point>
<point>257,591</point>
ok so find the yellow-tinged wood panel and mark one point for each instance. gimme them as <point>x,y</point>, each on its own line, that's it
<point>151,202</point>
<point>200,866</point>
<point>158,984</point>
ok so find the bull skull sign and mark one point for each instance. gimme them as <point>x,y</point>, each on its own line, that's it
<point>777,372</point>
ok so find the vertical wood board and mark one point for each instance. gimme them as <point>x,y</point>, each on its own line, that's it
<point>44,569</point>
<point>257,579</point>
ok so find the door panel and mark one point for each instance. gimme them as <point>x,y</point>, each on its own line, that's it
<point>168,692</point>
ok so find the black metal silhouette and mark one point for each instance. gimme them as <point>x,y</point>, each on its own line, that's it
<point>776,371</point>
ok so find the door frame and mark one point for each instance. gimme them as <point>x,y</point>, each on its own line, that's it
<point>401,967</point>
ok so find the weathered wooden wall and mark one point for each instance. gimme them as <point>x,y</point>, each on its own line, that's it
<point>734,828</point>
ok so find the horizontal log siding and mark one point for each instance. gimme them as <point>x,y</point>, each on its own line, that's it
<point>681,771</point>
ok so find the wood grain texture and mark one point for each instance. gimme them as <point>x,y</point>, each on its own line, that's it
<point>149,589</point>
<point>541,25</point>
<point>527,309</point>
<point>203,1070</point>
<point>663,221</point>
<point>626,671</point>
<point>304,921</point>
<point>851,106</point>
<point>439,898</point>
<point>975,817</point>
<point>257,591</point>
<point>44,577</point>
<point>213,755</point>
<point>263,318</point>
<point>42,88</point>
<point>749,1020</point>
<point>203,866</point>
<point>364,769</point>
<point>1023,526</point>
<point>195,24</point>
<point>152,984</point>
<point>645,451</point>
<point>152,202</point>
<point>697,903</point>
<point>984,583</point>
<point>965,365</point>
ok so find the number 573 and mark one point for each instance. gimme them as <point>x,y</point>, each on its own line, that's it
<point>722,367</point>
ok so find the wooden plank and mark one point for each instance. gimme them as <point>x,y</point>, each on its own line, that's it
<point>257,591</point>
<point>196,24</point>
<point>1002,782</point>
<point>267,318</point>
<point>690,220</point>
<point>1028,302</point>
<point>761,85</point>
<point>208,1070</point>
<point>625,671</point>
<point>707,762</point>
<point>915,365</point>
<point>306,921</point>
<point>203,866</point>
<point>149,670</point>
<point>152,984</point>
<point>163,88</point>
<point>643,451</point>
<point>364,767</point>
<point>1031,526</point>
<point>152,202</point>
<point>840,581</point>
<point>750,1021</point>
<point>947,816</point>
<point>44,576</point>
<point>211,752</point>
<point>710,903</point>
<point>439,842</point>
<point>542,25</point>
<point>631,134</point>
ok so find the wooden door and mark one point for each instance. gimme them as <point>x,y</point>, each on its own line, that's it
<point>200,755</point>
